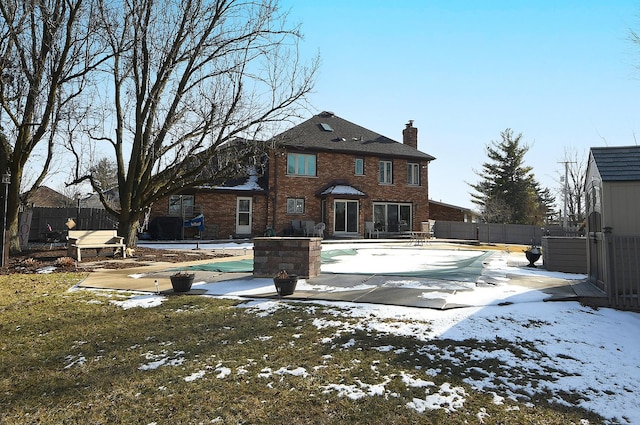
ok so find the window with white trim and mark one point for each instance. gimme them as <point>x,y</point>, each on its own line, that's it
<point>359,167</point>
<point>295,205</point>
<point>385,172</point>
<point>300,164</point>
<point>413,174</point>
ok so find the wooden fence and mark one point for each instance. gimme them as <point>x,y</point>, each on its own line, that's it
<point>565,254</point>
<point>56,218</point>
<point>623,277</point>
<point>495,233</point>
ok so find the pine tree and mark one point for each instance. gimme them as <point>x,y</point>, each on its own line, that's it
<point>508,191</point>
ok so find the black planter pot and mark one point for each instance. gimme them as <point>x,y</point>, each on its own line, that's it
<point>287,285</point>
<point>182,282</point>
<point>532,257</point>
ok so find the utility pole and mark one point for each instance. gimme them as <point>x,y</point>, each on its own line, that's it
<point>565,193</point>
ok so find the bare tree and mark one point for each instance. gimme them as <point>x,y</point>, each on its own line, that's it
<point>46,53</point>
<point>188,77</point>
<point>574,169</point>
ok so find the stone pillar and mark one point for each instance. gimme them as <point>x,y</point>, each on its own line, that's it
<point>300,256</point>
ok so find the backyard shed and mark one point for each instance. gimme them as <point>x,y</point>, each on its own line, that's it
<point>612,190</point>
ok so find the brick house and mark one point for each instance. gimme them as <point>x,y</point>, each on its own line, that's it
<point>330,170</point>
<point>327,170</point>
<point>235,209</point>
<point>447,212</point>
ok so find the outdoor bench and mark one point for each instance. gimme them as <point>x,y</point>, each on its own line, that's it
<point>94,239</point>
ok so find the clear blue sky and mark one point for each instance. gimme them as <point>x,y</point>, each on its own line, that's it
<point>562,73</point>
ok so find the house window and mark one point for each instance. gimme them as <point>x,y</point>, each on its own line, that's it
<point>385,174</point>
<point>413,174</point>
<point>181,205</point>
<point>295,205</point>
<point>359,167</point>
<point>392,217</point>
<point>299,164</point>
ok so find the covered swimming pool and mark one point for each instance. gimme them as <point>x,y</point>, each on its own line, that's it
<point>446,264</point>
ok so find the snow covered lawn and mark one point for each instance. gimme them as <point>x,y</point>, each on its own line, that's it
<point>112,357</point>
<point>527,350</point>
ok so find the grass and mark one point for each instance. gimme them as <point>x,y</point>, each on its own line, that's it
<point>76,357</point>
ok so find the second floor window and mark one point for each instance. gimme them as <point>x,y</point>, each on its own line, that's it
<point>413,174</point>
<point>359,167</point>
<point>299,164</point>
<point>385,174</point>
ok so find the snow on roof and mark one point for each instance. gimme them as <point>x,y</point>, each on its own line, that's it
<point>342,189</point>
<point>250,184</point>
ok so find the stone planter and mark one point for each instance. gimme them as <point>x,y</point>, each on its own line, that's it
<point>532,255</point>
<point>285,285</point>
<point>182,282</point>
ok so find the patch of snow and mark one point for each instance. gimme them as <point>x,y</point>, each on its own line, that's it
<point>299,371</point>
<point>46,270</point>
<point>143,301</point>
<point>162,359</point>
<point>223,372</point>
<point>78,360</point>
<point>448,398</point>
<point>194,376</point>
<point>342,189</point>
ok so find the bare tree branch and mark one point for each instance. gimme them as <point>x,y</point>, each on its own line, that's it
<point>47,52</point>
<point>192,80</point>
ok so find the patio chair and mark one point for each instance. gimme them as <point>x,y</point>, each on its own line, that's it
<point>308,227</point>
<point>370,230</point>
<point>296,227</point>
<point>318,230</point>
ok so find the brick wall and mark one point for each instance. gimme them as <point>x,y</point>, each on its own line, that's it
<point>219,208</point>
<point>445,213</point>
<point>339,166</point>
<point>299,256</point>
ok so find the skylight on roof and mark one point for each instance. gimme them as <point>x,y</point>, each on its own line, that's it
<point>325,126</point>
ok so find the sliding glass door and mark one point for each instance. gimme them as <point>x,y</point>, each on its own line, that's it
<point>346,216</point>
<point>391,217</point>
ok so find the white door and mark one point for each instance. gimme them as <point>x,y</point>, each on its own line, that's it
<point>243,216</point>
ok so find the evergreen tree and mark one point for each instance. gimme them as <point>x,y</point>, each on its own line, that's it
<point>508,191</point>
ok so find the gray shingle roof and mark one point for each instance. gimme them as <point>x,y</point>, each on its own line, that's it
<point>328,132</point>
<point>619,163</point>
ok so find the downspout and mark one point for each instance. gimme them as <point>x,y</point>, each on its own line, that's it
<point>275,190</point>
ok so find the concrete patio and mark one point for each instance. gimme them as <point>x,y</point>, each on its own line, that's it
<point>361,287</point>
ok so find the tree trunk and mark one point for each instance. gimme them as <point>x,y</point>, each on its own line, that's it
<point>13,204</point>
<point>128,228</point>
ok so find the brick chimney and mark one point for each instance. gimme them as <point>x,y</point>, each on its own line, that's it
<point>410,135</point>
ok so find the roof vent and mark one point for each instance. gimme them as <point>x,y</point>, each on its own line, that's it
<point>327,114</point>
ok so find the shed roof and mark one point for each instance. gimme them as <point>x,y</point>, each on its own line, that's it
<point>328,132</point>
<point>618,163</point>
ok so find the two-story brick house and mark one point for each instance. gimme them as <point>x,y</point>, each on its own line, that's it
<point>330,170</point>
<point>327,170</point>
